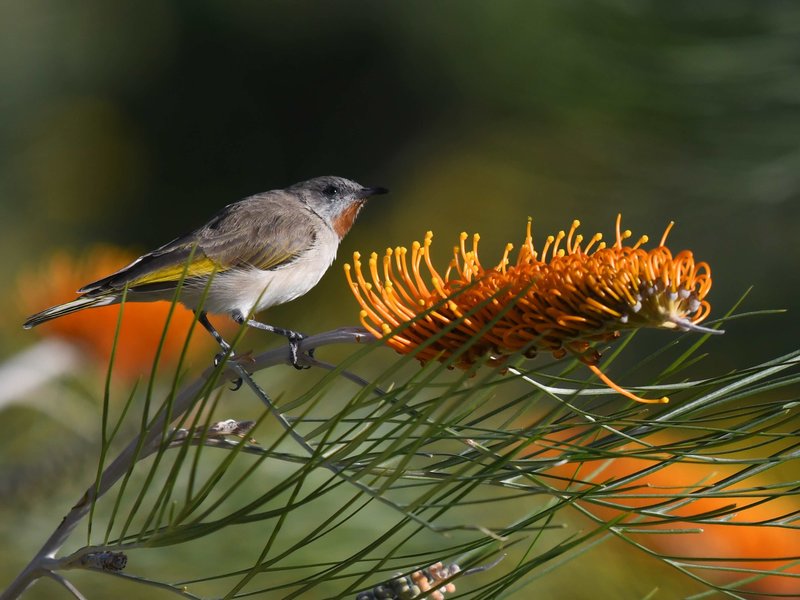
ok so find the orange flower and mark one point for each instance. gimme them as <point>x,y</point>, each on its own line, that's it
<point>561,300</point>
<point>93,329</point>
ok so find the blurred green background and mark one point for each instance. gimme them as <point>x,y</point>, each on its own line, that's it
<point>132,122</point>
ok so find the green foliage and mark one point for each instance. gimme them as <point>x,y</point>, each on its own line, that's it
<point>351,483</point>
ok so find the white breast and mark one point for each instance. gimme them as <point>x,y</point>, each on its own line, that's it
<point>251,290</point>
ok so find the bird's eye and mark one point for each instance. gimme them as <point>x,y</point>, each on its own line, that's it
<point>330,191</point>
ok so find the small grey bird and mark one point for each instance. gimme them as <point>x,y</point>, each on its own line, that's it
<point>259,252</point>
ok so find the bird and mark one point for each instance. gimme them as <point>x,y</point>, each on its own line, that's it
<point>259,252</point>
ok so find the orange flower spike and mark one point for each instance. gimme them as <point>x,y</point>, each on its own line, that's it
<point>562,302</point>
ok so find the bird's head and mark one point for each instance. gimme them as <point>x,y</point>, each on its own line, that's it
<point>336,199</point>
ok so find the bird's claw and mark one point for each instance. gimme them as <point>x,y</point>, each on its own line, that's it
<point>237,358</point>
<point>220,357</point>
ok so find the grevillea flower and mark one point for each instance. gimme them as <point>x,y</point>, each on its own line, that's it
<point>562,299</point>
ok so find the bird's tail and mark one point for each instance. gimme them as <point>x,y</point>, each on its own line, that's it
<point>68,308</point>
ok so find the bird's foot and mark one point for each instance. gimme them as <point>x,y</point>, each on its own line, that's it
<point>295,339</point>
<point>239,359</point>
<point>222,356</point>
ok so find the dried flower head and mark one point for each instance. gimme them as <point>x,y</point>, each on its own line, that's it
<point>429,581</point>
<point>562,299</point>
<point>114,562</point>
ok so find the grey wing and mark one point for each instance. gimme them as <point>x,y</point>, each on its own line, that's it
<point>267,232</point>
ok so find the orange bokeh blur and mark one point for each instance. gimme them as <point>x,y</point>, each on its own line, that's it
<point>93,329</point>
<point>770,547</point>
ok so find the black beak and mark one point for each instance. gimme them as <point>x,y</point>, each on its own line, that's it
<point>372,191</point>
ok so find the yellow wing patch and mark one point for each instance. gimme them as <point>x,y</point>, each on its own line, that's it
<point>267,261</point>
<point>198,268</point>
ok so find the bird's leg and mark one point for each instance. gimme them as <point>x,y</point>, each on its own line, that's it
<point>294,337</point>
<point>202,318</point>
<point>227,350</point>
